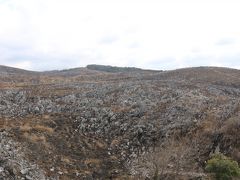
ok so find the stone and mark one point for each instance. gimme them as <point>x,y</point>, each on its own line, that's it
<point>1,169</point>
<point>24,171</point>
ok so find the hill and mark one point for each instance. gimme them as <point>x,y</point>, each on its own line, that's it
<point>114,69</point>
<point>103,122</point>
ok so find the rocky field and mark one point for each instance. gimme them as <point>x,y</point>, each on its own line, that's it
<point>103,122</point>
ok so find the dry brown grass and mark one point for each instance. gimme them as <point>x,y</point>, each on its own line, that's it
<point>43,129</point>
<point>231,136</point>
<point>34,138</point>
<point>117,109</point>
<point>114,158</point>
<point>100,144</point>
<point>25,127</point>
<point>46,117</point>
<point>29,127</point>
<point>65,159</point>
<point>115,142</point>
<point>95,162</point>
<point>231,126</point>
<point>2,123</point>
<point>210,124</point>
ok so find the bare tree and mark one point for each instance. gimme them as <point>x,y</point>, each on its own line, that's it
<point>167,161</point>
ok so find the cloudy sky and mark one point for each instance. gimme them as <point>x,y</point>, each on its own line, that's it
<point>59,34</point>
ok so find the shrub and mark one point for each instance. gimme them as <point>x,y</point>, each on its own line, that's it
<point>223,167</point>
<point>231,133</point>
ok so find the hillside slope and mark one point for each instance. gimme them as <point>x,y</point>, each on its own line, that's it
<point>91,124</point>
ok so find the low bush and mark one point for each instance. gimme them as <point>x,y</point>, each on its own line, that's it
<point>223,167</point>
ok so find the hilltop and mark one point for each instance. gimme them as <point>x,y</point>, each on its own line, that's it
<point>103,122</point>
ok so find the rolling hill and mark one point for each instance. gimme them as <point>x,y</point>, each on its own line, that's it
<point>103,122</point>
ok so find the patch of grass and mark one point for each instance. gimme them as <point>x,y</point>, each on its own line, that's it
<point>34,138</point>
<point>43,129</point>
<point>25,127</point>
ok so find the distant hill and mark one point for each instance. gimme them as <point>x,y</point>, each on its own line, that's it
<point>90,69</point>
<point>12,70</point>
<point>114,69</point>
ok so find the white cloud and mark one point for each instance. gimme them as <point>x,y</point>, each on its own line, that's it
<point>69,33</point>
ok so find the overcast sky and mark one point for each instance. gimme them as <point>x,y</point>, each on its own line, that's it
<point>59,34</point>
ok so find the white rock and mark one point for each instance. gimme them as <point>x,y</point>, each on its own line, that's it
<point>24,171</point>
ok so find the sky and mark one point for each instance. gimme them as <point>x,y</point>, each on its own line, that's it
<point>152,34</point>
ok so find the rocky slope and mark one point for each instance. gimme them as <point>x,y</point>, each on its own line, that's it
<point>91,123</point>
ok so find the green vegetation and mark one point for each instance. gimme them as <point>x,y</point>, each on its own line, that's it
<point>112,69</point>
<point>223,167</point>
